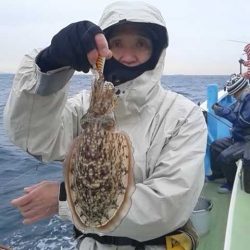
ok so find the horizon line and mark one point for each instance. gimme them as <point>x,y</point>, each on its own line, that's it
<point>174,74</point>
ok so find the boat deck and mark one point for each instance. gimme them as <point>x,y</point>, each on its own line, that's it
<point>238,225</point>
<point>214,240</point>
<point>239,237</point>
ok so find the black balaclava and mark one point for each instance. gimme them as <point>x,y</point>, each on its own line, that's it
<point>118,73</point>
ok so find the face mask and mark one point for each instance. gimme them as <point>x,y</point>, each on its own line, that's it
<point>118,73</point>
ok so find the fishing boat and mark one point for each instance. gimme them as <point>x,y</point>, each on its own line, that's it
<point>229,218</point>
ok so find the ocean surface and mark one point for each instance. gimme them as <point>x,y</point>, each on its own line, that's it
<point>18,170</point>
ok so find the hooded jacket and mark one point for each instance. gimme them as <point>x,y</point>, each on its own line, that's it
<point>167,131</point>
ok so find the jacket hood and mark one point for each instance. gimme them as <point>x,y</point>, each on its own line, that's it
<point>134,94</point>
<point>130,11</point>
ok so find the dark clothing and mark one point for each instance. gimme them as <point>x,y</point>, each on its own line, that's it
<point>226,151</point>
<point>239,115</point>
<point>188,230</point>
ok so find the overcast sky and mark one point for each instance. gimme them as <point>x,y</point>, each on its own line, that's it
<point>199,30</point>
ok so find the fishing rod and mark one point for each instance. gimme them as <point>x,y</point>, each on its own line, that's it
<point>14,179</point>
<point>237,41</point>
<point>2,187</point>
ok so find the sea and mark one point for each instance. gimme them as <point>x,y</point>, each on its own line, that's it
<point>19,170</point>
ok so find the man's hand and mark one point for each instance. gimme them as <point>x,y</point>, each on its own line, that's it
<point>39,201</point>
<point>216,106</point>
<point>218,109</point>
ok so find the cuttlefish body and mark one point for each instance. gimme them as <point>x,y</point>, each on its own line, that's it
<point>99,165</point>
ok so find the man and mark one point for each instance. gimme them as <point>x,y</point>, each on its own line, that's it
<point>167,131</point>
<point>226,151</point>
<point>247,62</point>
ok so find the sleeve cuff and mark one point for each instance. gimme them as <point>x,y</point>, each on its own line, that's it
<point>52,81</point>
<point>63,210</point>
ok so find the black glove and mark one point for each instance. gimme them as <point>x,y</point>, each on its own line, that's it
<point>69,47</point>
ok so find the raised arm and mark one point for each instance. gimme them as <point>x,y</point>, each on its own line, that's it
<point>38,116</point>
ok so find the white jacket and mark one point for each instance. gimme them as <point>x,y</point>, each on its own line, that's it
<point>167,131</point>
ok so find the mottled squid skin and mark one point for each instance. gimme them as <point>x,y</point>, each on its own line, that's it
<point>99,165</point>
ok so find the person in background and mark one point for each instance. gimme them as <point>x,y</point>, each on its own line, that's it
<point>167,131</point>
<point>247,62</point>
<point>226,151</point>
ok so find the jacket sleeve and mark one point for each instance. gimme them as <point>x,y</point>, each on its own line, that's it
<point>226,112</point>
<point>244,112</point>
<point>38,116</point>
<point>166,199</point>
